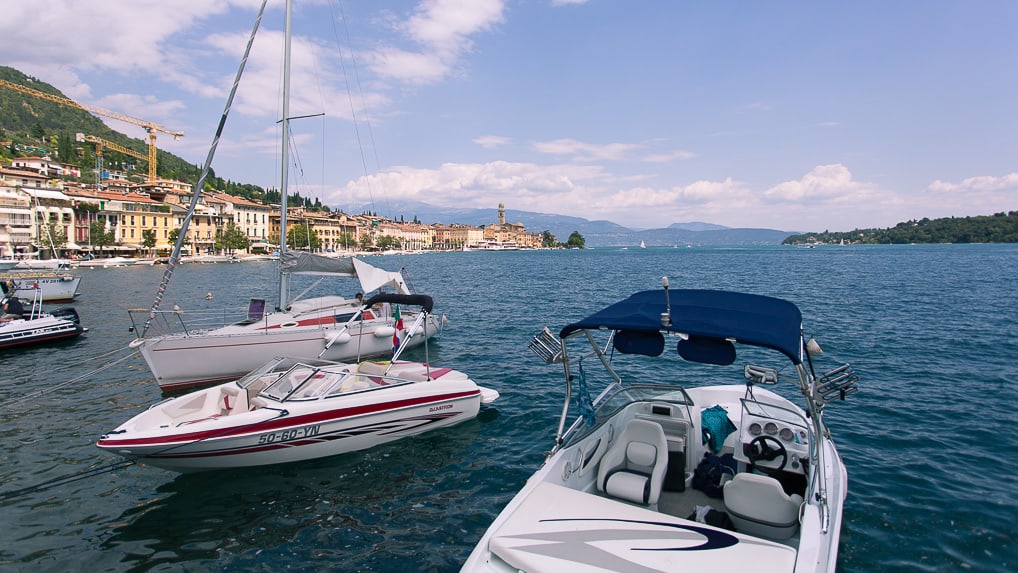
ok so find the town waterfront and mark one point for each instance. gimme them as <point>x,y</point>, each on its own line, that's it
<point>930,329</point>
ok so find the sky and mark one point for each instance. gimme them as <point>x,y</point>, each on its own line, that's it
<point>796,115</point>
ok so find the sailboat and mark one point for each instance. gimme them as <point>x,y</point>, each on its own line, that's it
<point>330,327</point>
<point>643,245</point>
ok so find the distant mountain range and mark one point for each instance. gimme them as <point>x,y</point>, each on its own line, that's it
<point>595,233</point>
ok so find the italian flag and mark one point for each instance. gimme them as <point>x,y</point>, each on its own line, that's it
<point>399,327</point>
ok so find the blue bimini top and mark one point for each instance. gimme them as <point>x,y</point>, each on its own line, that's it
<point>705,315</point>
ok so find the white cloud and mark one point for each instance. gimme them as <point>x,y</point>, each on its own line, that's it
<point>127,36</point>
<point>980,195</point>
<point>440,31</point>
<point>670,156</point>
<point>580,151</point>
<point>532,187</point>
<point>824,183</point>
<point>982,184</point>
<point>492,141</point>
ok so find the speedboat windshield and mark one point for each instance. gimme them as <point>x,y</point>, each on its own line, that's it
<point>306,381</point>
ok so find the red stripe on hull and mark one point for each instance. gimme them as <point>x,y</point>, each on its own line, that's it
<point>280,423</point>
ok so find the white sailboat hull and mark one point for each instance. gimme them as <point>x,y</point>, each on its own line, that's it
<point>184,360</point>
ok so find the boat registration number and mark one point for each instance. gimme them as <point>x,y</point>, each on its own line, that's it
<point>285,435</point>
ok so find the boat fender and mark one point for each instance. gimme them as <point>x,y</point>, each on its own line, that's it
<point>384,331</point>
<point>337,338</point>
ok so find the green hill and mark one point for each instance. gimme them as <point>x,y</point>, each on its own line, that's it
<point>37,126</point>
<point>996,228</point>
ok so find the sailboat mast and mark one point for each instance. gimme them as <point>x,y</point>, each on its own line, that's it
<point>284,279</point>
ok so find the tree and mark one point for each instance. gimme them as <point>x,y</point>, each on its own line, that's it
<point>575,240</point>
<point>98,236</point>
<point>65,148</point>
<point>547,239</point>
<point>55,237</point>
<point>367,242</point>
<point>387,242</point>
<point>303,237</point>
<point>347,240</point>
<point>148,238</point>
<point>231,238</point>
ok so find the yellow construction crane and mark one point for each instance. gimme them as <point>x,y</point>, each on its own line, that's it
<point>150,127</point>
<point>99,145</point>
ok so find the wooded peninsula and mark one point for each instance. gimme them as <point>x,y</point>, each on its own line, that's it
<point>996,228</point>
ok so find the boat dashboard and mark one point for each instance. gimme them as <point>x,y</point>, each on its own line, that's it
<point>773,438</point>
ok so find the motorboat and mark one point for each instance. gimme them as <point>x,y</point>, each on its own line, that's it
<point>495,245</point>
<point>665,469</point>
<point>292,409</point>
<point>44,264</point>
<point>50,287</point>
<point>106,262</point>
<point>333,328</point>
<point>21,327</point>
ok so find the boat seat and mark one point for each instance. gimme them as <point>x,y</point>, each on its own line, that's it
<point>232,397</point>
<point>759,506</point>
<point>634,466</point>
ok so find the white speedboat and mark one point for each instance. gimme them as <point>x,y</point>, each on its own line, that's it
<point>297,409</point>
<point>20,327</point>
<point>330,327</point>
<point>106,262</point>
<point>665,470</point>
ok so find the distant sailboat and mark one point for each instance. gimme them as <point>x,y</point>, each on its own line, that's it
<point>643,245</point>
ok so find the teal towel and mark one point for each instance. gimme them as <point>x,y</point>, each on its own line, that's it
<point>716,426</point>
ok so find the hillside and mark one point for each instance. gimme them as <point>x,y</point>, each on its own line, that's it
<point>29,121</point>
<point>996,228</point>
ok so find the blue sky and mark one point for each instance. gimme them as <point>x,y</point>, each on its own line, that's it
<point>785,115</point>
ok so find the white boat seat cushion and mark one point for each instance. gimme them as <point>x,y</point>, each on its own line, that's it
<point>759,506</point>
<point>634,466</point>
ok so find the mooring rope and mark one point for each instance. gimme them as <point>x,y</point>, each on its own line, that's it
<point>108,468</point>
<point>85,376</point>
<point>66,479</point>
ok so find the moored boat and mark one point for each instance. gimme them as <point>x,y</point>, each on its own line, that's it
<point>50,287</point>
<point>297,409</point>
<point>330,327</point>
<point>21,327</point>
<point>666,470</point>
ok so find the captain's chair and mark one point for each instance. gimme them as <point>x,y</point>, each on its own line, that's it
<point>634,466</point>
<point>758,506</point>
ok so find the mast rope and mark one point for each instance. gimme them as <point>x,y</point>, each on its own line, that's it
<point>200,184</point>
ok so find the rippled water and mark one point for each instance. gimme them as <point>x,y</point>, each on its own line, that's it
<point>929,440</point>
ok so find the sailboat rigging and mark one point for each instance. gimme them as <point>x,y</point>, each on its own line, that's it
<point>329,327</point>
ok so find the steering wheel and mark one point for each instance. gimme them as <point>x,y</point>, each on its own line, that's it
<point>760,449</point>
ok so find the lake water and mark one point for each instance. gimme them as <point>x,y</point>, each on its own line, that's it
<point>929,441</point>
